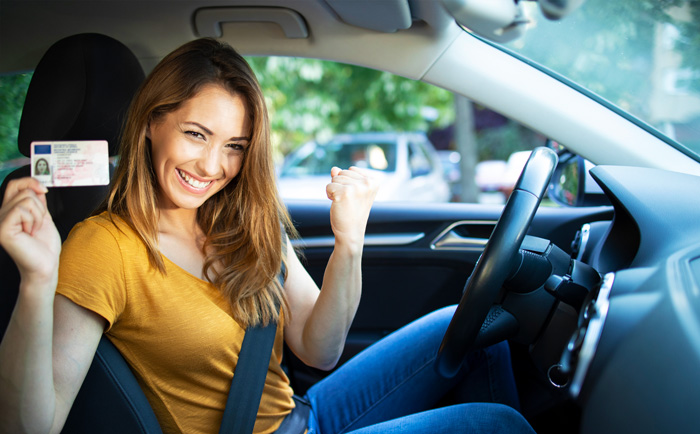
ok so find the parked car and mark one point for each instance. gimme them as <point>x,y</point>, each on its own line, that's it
<point>453,173</point>
<point>513,167</point>
<point>489,178</point>
<point>405,163</point>
<point>607,343</point>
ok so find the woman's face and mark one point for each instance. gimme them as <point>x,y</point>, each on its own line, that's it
<point>199,148</point>
<point>41,166</point>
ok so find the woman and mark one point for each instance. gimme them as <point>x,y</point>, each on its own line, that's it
<point>41,167</point>
<point>183,256</point>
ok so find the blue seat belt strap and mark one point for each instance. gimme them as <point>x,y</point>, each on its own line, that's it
<point>249,377</point>
<point>248,380</point>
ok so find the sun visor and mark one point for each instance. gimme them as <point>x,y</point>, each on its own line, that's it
<point>386,16</point>
<point>209,21</point>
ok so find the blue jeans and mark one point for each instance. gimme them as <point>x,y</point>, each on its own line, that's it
<point>392,387</point>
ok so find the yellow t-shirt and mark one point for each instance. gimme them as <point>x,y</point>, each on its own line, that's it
<point>175,330</point>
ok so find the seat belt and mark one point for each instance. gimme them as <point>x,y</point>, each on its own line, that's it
<point>248,380</point>
<point>249,377</point>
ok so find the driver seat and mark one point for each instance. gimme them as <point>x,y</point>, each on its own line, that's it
<point>81,90</point>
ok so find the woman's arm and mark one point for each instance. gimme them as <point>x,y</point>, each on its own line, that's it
<point>49,342</point>
<point>321,319</point>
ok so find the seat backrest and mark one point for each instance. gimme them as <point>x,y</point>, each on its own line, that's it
<point>81,90</point>
<point>110,400</point>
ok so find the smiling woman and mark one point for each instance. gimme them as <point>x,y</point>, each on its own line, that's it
<point>181,260</point>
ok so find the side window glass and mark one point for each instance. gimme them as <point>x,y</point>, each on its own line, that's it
<point>463,152</point>
<point>13,90</point>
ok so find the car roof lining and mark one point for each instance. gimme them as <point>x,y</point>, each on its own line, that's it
<point>165,28</point>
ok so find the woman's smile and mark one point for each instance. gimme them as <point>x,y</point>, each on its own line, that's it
<point>192,182</point>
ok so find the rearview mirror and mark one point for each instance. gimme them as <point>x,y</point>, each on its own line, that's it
<point>503,20</point>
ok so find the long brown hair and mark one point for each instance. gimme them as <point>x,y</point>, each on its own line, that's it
<point>242,222</point>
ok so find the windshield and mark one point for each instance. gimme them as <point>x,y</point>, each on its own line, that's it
<point>640,55</point>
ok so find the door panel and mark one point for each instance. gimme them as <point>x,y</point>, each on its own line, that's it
<point>417,258</point>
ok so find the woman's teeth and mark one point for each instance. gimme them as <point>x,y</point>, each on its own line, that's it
<point>191,181</point>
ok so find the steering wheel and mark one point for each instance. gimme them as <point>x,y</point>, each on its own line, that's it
<point>496,262</point>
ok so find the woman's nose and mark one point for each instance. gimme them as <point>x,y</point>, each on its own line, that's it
<point>209,161</point>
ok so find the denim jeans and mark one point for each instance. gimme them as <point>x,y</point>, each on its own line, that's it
<point>392,387</point>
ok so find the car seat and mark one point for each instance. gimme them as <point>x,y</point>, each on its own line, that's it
<point>81,90</point>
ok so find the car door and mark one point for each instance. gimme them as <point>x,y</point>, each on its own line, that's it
<point>417,258</point>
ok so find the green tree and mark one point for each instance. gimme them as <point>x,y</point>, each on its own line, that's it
<point>607,46</point>
<point>314,99</point>
<point>689,42</point>
<point>13,89</point>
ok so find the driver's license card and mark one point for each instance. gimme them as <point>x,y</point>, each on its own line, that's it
<point>70,163</point>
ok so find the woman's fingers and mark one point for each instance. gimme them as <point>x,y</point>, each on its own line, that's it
<point>25,211</point>
<point>29,216</point>
<point>27,232</point>
<point>26,197</point>
<point>352,192</point>
<point>353,173</point>
<point>353,181</point>
<point>24,207</point>
<point>19,185</point>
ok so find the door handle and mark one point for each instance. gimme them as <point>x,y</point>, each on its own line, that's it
<point>464,235</point>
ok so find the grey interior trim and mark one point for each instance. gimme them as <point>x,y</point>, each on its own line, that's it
<point>593,332</point>
<point>207,21</point>
<point>384,16</point>
<point>370,240</point>
<point>585,235</point>
<point>449,239</point>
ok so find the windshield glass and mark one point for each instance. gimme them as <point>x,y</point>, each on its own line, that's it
<point>640,55</point>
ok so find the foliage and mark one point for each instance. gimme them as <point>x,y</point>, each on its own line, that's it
<point>499,143</point>
<point>615,43</point>
<point>13,89</point>
<point>689,43</point>
<point>313,99</point>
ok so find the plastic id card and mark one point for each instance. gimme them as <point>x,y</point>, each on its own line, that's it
<point>70,163</point>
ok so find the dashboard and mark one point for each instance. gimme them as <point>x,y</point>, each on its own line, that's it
<point>635,356</point>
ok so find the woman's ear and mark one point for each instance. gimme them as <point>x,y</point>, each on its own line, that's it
<point>148,131</point>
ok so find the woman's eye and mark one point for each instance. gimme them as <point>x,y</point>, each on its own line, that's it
<point>195,134</point>
<point>236,147</point>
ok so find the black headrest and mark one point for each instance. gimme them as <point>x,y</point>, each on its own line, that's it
<point>80,90</point>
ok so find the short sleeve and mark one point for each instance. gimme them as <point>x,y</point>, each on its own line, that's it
<point>91,270</point>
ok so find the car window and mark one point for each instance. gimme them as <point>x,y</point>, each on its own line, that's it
<point>315,128</point>
<point>640,55</point>
<point>13,90</point>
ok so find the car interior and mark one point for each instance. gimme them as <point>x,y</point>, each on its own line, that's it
<point>599,299</point>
